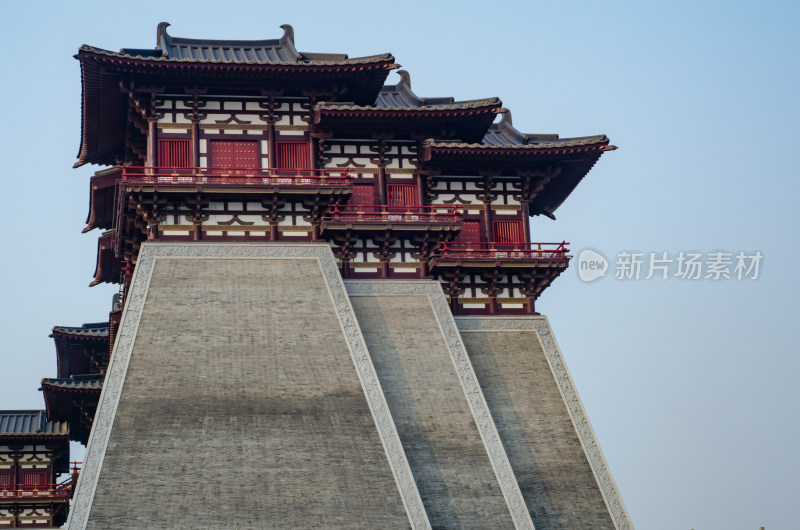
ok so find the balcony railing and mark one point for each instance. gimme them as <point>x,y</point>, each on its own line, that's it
<point>394,214</point>
<point>63,489</point>
<point>503,251</point>
<point>235,176</point>
<point>37,491</point>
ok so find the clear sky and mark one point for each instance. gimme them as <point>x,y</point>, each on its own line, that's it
<point>689,385</point>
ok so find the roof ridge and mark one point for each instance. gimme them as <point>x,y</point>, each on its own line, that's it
<point>561,142</point>
<point>86,48</point>
<point>458,105</point>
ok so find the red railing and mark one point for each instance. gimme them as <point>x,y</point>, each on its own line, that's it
<point>65,488</point>
<point>390,214</point>
<point>37,491</point>
<point>235,176</point>
<point>504,250</point>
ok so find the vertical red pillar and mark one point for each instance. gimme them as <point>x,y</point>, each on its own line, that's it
<point>526,222</point>
<point>152,143</point>
<point>195,143</point>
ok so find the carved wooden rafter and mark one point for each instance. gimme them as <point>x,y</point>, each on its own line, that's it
<point>273,204</point>
<point>344,245</point>
<point>308,106</point>
<point>536,280</point>
<point>320,138</point>
<point>454,282</point>
<point>197,204</point>
<point>315,96</point>
<point>147,209</point>
<point>428,177</point>
<point>428,243</point>
<point>531,182</point>
<point>487,195</point>
<point>492,278</point>
<point>86,408</point>
<point>143,98</point>
<point>97,359</point>
<point>268,104</point>
<point>195,104</point>
<point>384,241</point>
<point>317,207</point>
<point>379,149</point>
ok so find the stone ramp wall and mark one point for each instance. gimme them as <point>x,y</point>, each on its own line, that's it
<point>242,393</point>
<point>241,405</point>
<point>560,469</point>
<point>434,400</point>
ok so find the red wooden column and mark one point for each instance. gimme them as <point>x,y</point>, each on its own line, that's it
<point>526,221</point>
<point>152,142</point>
<point>381,185</point>
<point>420,189</point>
<point>195,143</point>
<point>313,151</point>
<point>487,221</point>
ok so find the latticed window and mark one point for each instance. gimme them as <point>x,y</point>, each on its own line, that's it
<point>5,479</point>
<point>508,231</point>
<point>174,153</point>
<point>225,154</point>
<point>292,155</point>
<point>402,195</point>
<point>32,479</point>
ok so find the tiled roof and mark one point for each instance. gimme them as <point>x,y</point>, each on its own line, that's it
<point>401,97</point>
<point>99,329</point>
<point>560,143</point>
<point>270,51</point>
<point>76,382</point>
<point>30,423</point>
<point>503,135</point>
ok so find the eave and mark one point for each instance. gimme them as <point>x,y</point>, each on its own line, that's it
<point>105,106</point>
<point>71,342</point>
<point>61,401</point>
<point>467,122</point>
<point>108,266</point>
<point>101,199</point>
<point>573,157</point>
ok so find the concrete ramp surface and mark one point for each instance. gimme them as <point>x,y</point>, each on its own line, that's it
<point>250,387</point>
<point>235,400</point>
<point>462,473</point>
<point>547,437</point>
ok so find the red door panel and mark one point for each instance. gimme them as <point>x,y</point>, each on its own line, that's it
<point>240,155</point>
<point>362,195</point>
<point>470,232</point>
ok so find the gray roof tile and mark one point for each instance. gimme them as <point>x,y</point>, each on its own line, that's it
<point>401,97</point>
<point>85,382</point>
<point>87,330</point>
<point>268,51</point>
<point>30,423</point>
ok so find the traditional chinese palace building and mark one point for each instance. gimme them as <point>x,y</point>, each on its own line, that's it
<point>327,310</point>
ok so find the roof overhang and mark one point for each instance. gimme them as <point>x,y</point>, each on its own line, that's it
<point>573,157</point>
<point>467,123</point>
<point>101,198</point>
<point>105,106</point>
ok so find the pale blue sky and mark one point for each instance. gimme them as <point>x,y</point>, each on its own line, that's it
<point>690,386</point>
